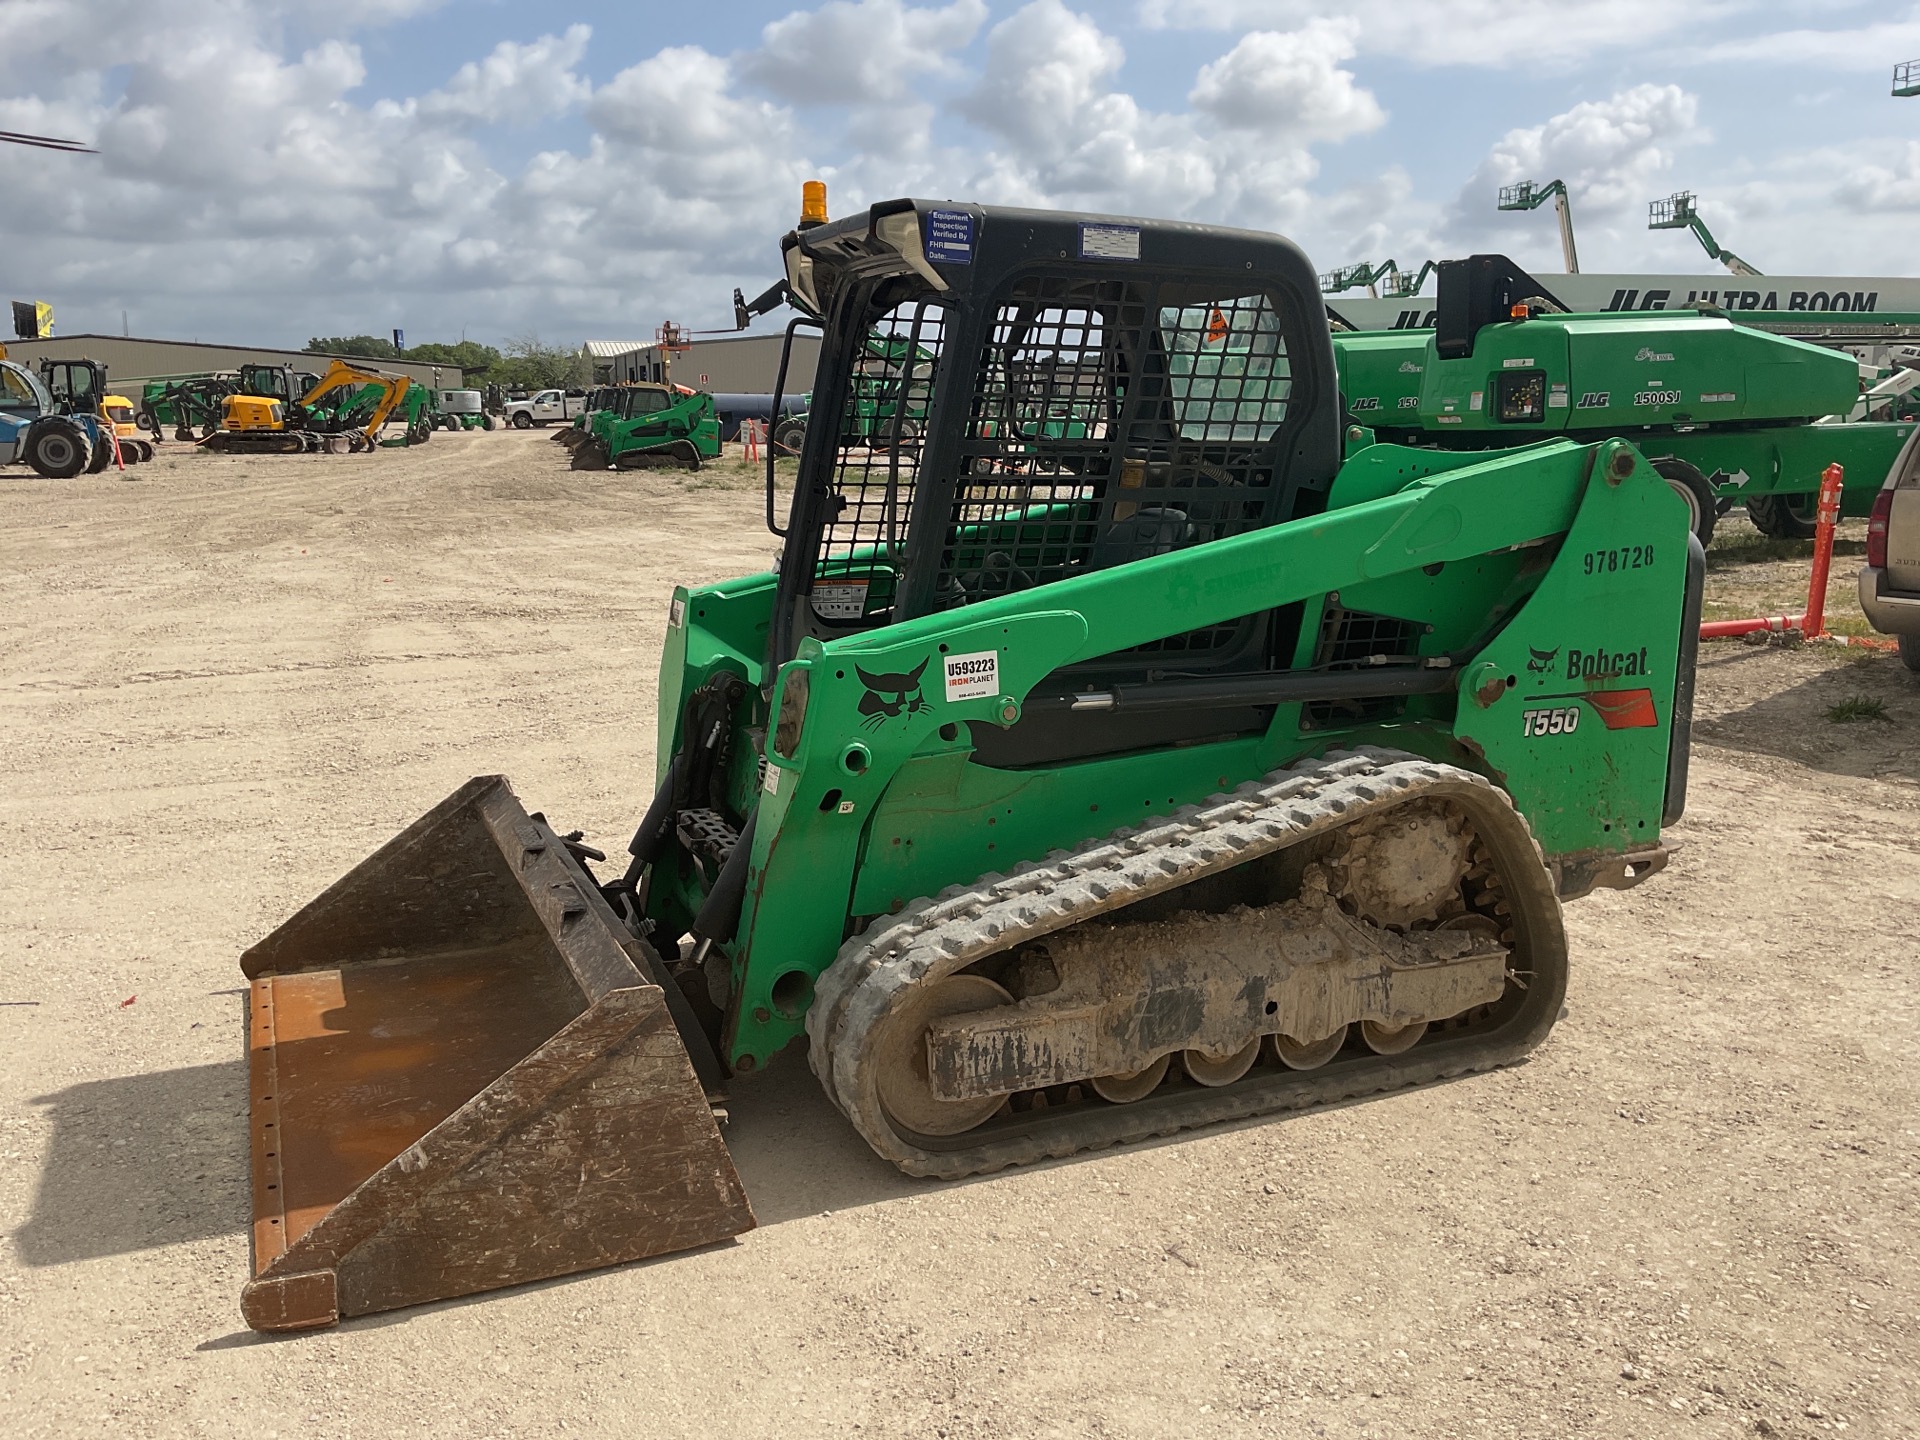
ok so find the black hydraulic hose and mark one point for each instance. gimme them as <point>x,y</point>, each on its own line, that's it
<point>656,824</point>
<point>719,917</point>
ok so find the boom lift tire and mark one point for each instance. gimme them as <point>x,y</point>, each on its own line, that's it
<point>56,448</point>
<point>789,436</point>
<point>1784,517</point>
<point>1691,486</point>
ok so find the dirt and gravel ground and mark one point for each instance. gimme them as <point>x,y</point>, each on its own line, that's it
<point>224,681</point>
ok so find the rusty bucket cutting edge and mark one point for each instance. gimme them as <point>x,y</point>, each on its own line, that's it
<point>461,1080</point>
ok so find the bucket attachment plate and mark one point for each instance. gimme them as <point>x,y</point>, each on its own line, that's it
<point>464,1076</point>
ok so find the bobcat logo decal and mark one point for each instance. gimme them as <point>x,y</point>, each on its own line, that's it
<point>890,696</point>
<point>1542,660</point>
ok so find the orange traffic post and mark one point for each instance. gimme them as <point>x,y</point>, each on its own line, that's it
<point>1811,623</point>
<point>1827,518</point>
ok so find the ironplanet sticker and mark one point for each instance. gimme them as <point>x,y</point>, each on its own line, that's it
<point>972,676</point>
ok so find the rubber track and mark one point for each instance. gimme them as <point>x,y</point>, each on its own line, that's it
<point>932,938</point>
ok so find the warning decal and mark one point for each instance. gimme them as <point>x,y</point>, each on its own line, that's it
<point>1109,242</point>
<point>840,600</point>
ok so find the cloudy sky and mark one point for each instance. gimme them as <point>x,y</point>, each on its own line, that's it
<point>272,170</point>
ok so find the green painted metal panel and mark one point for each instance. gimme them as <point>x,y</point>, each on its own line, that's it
<point>881,802</point>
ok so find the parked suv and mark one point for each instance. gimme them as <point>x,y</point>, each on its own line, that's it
<point>1890,583</point>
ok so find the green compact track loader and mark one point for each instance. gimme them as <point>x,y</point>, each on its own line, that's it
<point>649,426</point>
<point>1068,782</point>
<point>1728,413</point>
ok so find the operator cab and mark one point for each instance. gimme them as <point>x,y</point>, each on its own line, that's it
<point>21,392</point>
<point>76,386</point>
<point>1022,397</point>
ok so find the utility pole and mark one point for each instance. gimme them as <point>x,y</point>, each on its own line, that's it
<point>1528,196</point>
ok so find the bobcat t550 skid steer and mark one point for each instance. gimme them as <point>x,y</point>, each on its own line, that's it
<point>1129,745</point>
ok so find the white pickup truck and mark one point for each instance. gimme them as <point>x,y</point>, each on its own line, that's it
<point>546,408</point>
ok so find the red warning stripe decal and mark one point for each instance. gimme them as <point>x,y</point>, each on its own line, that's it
<point>1624,709</point>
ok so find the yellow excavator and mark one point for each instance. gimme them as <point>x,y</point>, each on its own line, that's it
<point>265,418</point>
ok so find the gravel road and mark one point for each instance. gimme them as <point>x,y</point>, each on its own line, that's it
<point>224,680</point>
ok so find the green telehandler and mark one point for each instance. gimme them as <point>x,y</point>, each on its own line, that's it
<point>1726,412</point>
<point>1064,785</point>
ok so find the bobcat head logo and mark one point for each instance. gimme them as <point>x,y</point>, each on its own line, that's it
<point>1542,660</point>
<point>889,696</point>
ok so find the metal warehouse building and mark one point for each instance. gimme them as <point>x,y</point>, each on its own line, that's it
<point>129,359</point>
<point>730,364</point>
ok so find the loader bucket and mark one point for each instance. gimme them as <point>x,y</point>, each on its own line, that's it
<point>462,1077</point>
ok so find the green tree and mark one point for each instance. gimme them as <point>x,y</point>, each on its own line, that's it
<point>474,359</point>
<point>539,366</point>
<point>370,347</point>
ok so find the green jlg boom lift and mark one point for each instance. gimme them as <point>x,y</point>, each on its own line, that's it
<point>1678,212</point>
<point>1063,786</point>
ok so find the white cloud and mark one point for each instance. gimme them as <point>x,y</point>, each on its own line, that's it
<point>251,188</point>
<point>1865,48</point>
<point>516,83</point>
<point>1869,187</point>
<point>851,52</point>
<point>1614,155</point>
<point>1467,32</point>
<point>1608,151</point>
<point>1047,79</point>
<point>1289,86</point>
<point>1067,135</point>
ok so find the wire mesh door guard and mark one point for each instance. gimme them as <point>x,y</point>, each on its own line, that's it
<point>1108,420</point>
<point>1114,420</point>
<point>877,464</point>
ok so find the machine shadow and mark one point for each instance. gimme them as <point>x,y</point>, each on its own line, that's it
<point>139,1162</point>
<point>797,1155</point>
<point>1793,724</point>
